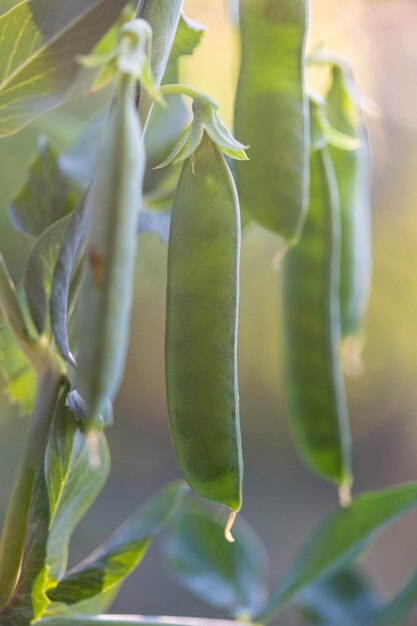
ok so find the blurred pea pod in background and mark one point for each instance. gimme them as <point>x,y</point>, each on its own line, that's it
<point>353,174</point>
<point>271,115</point>
<point>313,379</point>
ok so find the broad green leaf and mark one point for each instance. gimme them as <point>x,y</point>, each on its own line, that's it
<point>65,487</point>
<point>78,162</point>
<point>40,270</point>
<point>231,577</point>
<point>112,562</point>
<point>45,197</point>
<point>187,38</point>
<point>19,378</point>
<point>38,49</point>
<point>397,610</point>
<point>67,258</point>
<point>92,606</point>
<point>340,538</point>
<point>342,599</point>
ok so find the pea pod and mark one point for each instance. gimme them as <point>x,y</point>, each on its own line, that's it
<point>106,295</point>
<point>353,177</point>
<point>314,386</point>
<point>271,115</point>
<point>201,326</point>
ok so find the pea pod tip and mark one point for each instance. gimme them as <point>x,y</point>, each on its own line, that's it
<point>345,495</point>
<point>228,528</point>
<point>71,359</point>
<point>279,256</point>
<point>93,449</point>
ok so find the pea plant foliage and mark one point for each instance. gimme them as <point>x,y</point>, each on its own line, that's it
<point>296,163</point>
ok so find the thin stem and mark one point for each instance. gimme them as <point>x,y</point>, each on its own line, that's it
<point>191,92</point>
<point>14,529</point>
<point>138,620</point>
<point>12,311</point>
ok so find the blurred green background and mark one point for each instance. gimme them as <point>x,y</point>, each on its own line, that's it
<point>282,500</point>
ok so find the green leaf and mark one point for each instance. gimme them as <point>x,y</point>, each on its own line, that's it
<point>187,38</point>
<point>45,197</point>
<point>40,270</point>
<point>65,487</point>
<point>340,538</point>
<point>38,48</point>
<point>231,577</point>
<point>342,599</point>
<point>397,610</point>
<point>70,250</point>
<point>112,562</point>
<point>78,162</point>
<point>18,376</point>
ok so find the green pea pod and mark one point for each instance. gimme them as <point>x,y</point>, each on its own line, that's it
<point>111,245</point>
<point>201,327</point>
<point>353,177</point>
<point>314,386</point>
<point>271,115</point>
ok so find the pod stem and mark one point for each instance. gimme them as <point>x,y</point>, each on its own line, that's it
<point>191,92</point>
<point>13,314</point>
<point>279,257</point>
<point>351,353</point>
<point>228,528</point>
<point>14,529</point>
<point>345,495</point>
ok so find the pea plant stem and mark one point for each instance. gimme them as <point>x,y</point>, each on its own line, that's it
<point>186,90</point>
<point>10,307</point>
<point>14,529</point>
<point>138,620</point>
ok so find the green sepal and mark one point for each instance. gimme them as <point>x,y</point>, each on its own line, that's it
<point>130,56</point>
<point>206,119</point>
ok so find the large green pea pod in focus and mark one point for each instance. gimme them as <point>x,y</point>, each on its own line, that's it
<point>353,170</point>
<point>313,383</point>
<point>201,327</point>
<point>271,115</point>
<point>106,295</point>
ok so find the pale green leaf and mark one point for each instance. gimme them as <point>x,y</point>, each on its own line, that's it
<point>45,197</point>
<point>231,577</point>
<point>340,538</point>
<point>112,562</point>
<point>38,49</point>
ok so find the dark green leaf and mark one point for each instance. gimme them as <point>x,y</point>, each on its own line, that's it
<point>339,539</point>
<point>70,250</point>
<point>45,197</point>
<point>40,269</point>
<point>65,486</point>
<point>342,599</point>
<point>39,48</point>
<point>231,577</point>
<point>112,562</point>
